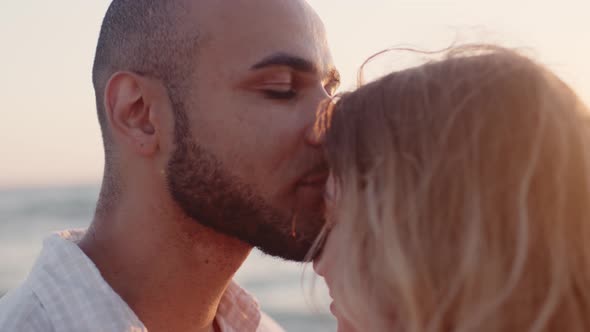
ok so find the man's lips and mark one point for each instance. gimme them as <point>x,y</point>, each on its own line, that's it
<point>314,179</point>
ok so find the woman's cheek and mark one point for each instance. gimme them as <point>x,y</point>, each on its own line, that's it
<point>344,325</point>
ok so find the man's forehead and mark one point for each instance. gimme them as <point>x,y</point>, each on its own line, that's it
<point>216,15</point>
<point>246,32</point>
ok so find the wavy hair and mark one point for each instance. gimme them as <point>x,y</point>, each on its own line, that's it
<point>464,190</point>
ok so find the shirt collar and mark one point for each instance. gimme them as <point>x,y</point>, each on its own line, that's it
<point>73,292</point>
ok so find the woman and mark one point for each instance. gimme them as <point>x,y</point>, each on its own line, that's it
<point>459,199</point>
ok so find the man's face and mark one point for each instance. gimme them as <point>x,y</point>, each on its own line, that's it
<point>248,164</point>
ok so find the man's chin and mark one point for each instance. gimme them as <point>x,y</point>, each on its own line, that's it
<point>290,249</point>
<point>294,245</point>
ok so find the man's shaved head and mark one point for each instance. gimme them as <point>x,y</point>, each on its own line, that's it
<point>145,37</point>
<point>230,141</point>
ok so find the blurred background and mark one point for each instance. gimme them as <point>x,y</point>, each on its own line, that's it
<point>50,146</point>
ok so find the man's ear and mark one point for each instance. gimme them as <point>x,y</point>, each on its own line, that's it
<point>129,107</point>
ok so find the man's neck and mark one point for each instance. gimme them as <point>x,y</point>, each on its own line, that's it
<point>171,271</point>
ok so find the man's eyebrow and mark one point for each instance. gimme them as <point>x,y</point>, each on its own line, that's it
<point>334,75</point>
<point>287,60</point>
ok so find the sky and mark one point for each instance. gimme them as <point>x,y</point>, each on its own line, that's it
<point>49,134</point>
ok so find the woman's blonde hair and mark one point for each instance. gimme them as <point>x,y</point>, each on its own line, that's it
<point>464,190</point>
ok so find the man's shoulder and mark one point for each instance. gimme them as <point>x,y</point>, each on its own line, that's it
<point>239,311</point>
<point>21,311</point>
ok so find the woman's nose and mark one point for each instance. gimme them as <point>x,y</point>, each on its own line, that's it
<point>323,262</point>
<point>318,266</point>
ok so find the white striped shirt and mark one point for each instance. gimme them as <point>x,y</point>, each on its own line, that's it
<point>66,292</point>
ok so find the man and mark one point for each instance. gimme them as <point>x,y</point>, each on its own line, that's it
<point>207,110</point>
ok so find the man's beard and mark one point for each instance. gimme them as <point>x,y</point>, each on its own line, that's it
<point>210,195</point>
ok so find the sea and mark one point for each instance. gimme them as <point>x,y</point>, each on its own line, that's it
<point>288,292</point>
